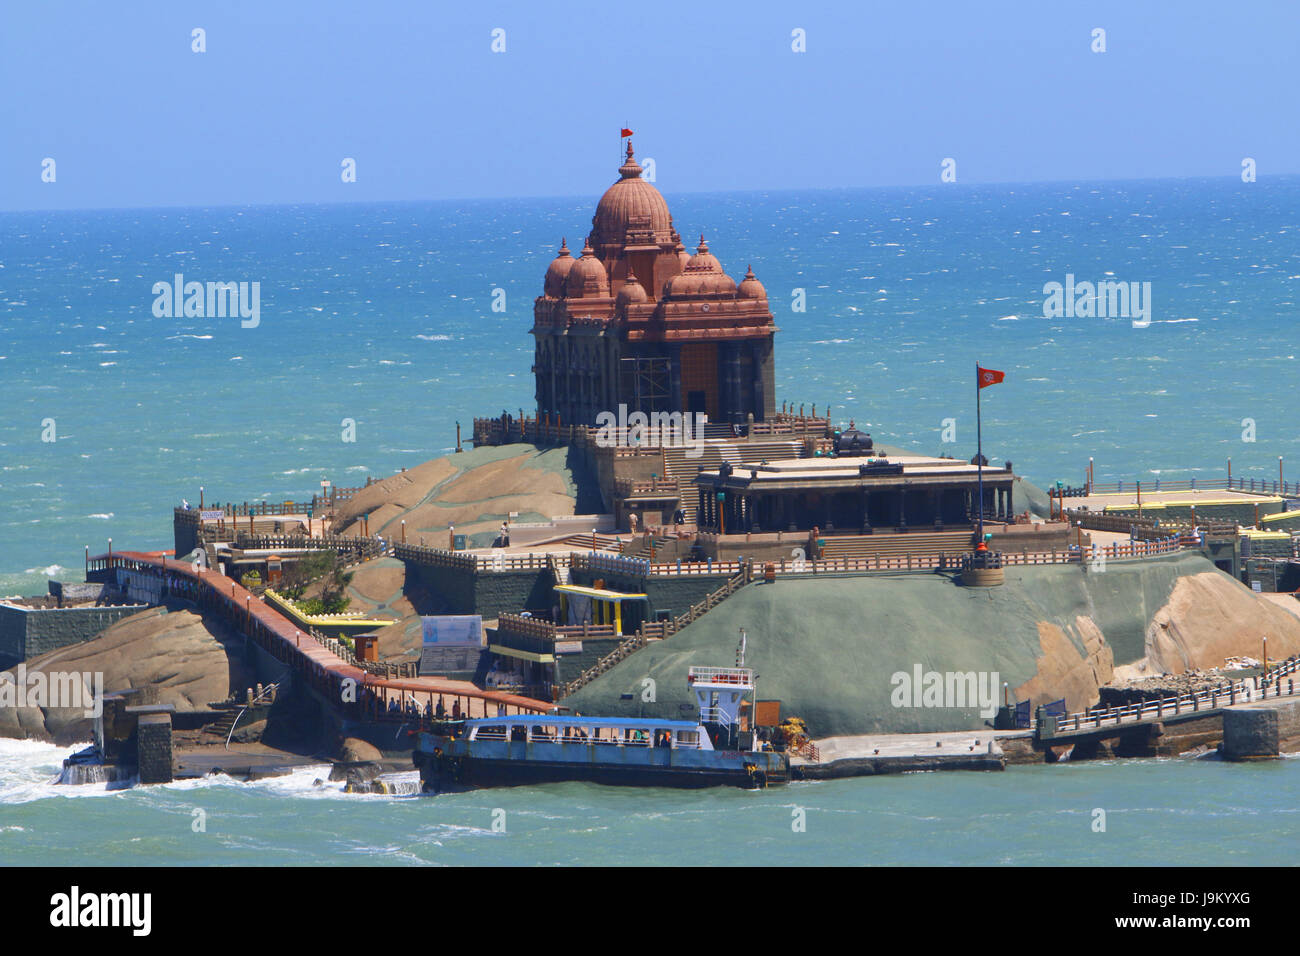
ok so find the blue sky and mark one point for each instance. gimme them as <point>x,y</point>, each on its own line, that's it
<point>414,93</point>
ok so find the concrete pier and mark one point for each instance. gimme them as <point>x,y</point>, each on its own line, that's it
<point>874,754</point>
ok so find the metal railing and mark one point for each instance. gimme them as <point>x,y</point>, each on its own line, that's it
<point>1245,690</point>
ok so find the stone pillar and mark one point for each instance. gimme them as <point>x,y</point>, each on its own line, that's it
<point>675,397</point>
<point>1252,733</point>
<point>731,382</point>
<point>153,734</point>
<point>902,509</point>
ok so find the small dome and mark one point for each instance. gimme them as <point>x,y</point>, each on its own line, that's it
<point>751,288</point>
<point>557,272</point>
<point>587,278</point>
<point>703,275</point>
<point>632,291</point>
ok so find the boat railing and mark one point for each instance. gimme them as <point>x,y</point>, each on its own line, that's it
<point>740,676</point>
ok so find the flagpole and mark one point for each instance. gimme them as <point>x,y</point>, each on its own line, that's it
<point>979,453</point>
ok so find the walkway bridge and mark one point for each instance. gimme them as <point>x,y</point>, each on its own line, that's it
<point>1138,722</point>
<point>324,666</point>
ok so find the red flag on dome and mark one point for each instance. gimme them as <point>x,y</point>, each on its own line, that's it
<point>626,132</point>
<point>989,376</point>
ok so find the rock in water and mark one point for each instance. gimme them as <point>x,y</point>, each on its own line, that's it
<point>355,750</point>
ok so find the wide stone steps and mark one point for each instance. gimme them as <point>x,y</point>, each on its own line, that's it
<point>890,545</point>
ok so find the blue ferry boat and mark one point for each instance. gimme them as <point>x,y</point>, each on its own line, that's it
<point>628,751</point>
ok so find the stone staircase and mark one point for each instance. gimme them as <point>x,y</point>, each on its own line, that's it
<point>604,542</point>
<point>683,469</point>
<point>644,550</point>
<point>223,725</point>
<point>897,545</point>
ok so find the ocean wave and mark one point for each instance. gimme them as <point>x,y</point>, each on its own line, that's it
<point>102,517</point>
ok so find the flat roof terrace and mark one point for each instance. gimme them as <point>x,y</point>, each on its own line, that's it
<point>1200,497</point>
<point>851,492</point>
<point>802,472</point>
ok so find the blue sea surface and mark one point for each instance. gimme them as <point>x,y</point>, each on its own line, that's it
<point>1160,812</point>
<point>382,314</point>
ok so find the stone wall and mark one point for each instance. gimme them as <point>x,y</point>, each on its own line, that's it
<point>153,736</point>
<point>27,632</point>
<point>437,589</point>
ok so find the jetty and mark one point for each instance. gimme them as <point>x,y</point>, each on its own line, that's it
<point>875,754</point>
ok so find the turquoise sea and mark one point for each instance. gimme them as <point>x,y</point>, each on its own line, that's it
<point>382,313</point>
<point>1157,813</point>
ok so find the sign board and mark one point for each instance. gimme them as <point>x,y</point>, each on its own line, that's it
<point>211,515</point>
<point>769,713</point>
<point>447,630</point>
<point>1257,587</point>
<point>568,647</point>
<point>452,644</point>
<point>458,542</point>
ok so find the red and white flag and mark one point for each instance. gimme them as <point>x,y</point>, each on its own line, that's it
<point>989,376</point>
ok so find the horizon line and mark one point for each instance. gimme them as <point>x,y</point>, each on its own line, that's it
<point>688,192</point>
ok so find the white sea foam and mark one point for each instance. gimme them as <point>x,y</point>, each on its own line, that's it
<point>102,517</point>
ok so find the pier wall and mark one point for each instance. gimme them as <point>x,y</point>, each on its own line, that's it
<point>27,632</point>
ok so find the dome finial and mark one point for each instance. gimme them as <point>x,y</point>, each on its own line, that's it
<point>630,169</point>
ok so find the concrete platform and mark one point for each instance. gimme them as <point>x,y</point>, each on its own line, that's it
<point>872,754</point>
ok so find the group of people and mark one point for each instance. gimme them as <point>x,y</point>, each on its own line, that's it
<point>409,708</point>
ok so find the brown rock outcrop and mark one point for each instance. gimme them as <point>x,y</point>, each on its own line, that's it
<point>177,652</point>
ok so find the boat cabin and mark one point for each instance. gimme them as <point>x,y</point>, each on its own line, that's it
<point>591,731</point>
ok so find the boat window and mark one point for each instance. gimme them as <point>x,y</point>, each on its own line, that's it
<point>495,732</point>
<point>688,738</point>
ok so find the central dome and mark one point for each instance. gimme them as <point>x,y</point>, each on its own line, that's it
<point>630,201</point>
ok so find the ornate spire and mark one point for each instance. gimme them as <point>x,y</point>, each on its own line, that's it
<point>564,248</point>
<point>630,169</point>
